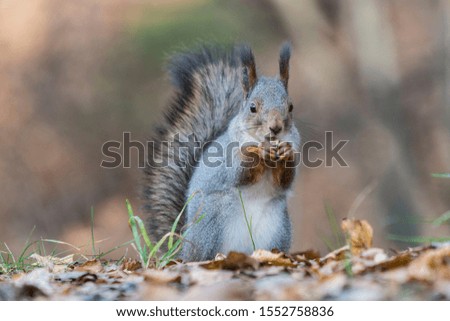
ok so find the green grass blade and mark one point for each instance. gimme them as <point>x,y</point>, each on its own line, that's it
<point>135,232</point>
<point>198,220</point>
<point>442,219</point>
<point>158,245</point>
<point>144,233</point>
<point>92,231</point>
<point>10,254</point>
<point>61,243</point>
<point>27,246</point>
<point>348,264</point>
<point>169,256</point>
<point>155,249</point>
<point>175,223</point>
<point>176,247</point>
<point>418,239</point>
<point>3,264</point>
<point>441,175</point>
<point>115,248</point>
<point>246,221</point>
<point>40,248</point>
<point>334,226</point>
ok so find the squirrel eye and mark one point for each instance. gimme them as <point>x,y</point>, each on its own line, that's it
<point>291,107</point>
<point>253,107</point>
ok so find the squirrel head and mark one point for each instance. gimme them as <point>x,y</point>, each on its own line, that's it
<point>267,107</point>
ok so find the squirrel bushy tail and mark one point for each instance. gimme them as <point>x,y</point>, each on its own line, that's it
<point>208,94</point>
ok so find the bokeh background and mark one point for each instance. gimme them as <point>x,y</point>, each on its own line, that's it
<point>74,74</point>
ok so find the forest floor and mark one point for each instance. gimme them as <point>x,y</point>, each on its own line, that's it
<point>356,271</point>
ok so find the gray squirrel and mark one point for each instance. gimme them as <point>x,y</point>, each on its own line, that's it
<point>221,101</point>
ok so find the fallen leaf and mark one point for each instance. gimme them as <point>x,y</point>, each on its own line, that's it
<point>330,286</point>
<point>359,234</point>
<point>158,292</point>
<point>30,291</point>
<point>84,277</point>
<point>230,290</point>
<point>271,258</point>
<point>131,265</point>
<point>220,256</point>
<point>330,268</point>
<point>162,277</point>
<point>37,279</point>
<point>52,263</point>
<point>306,255</point>
<point>234,261</point>
<point>374,254</point>
<point>431,265</point>
<point>337,255</point>
<point>400,260</point>
<point>68,276</point>
<point>91,266</point>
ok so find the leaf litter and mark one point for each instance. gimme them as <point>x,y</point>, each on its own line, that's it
<point>356,271</point>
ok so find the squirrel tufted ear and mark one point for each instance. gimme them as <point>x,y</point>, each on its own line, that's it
<point>285,55</point>
<point>249,77</point>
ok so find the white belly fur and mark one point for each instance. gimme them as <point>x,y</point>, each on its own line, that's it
<point>261,211</point>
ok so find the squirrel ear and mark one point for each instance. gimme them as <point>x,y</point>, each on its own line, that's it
<point>249,77</point>
<point>285,55</point>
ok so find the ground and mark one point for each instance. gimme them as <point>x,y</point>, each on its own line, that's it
<point>356,271</point>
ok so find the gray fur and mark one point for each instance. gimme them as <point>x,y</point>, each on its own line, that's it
<point>218,110</point>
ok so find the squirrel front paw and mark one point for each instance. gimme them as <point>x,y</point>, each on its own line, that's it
<point>250,155</point>
<point>270,152</point>
<point>275,152</point>
<point>285,151</point>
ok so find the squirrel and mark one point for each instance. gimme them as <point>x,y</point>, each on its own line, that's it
<point>220,98</point>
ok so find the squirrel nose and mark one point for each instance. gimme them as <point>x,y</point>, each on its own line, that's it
<point>275,129</point>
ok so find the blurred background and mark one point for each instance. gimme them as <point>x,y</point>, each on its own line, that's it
<point>74,74</point>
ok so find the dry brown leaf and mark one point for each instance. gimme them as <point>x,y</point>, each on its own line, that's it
<point>395,276</point>
<point>431,265</point>
<point>359,234</point>
<point>91,266</point>
<point>229,290</point>
<point>374,254</point>
<point>220,256</point>
<point>330,268</point>
<point>423,273</point>
<point>198,276</point>
<point>234,261</point>
<point>131,265</point>
<point>213,265</point>
<point>306,255</point>
<point>337,255</point>
<point>158,292</point>
<point>367,259</point>
<point>87,277</point>
<point>40,278</point>
<point>282,287</point>
<point>268,271</point>
<point>68,276</point>
<point>52,263</point>
<point>400,260</point>
<point>30,291</point>
<point>161,277</point>
<point>271,258</point>
<point>330,285</point>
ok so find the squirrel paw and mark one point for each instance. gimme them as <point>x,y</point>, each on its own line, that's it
<point>285,151</point>
<point>268,152</point>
